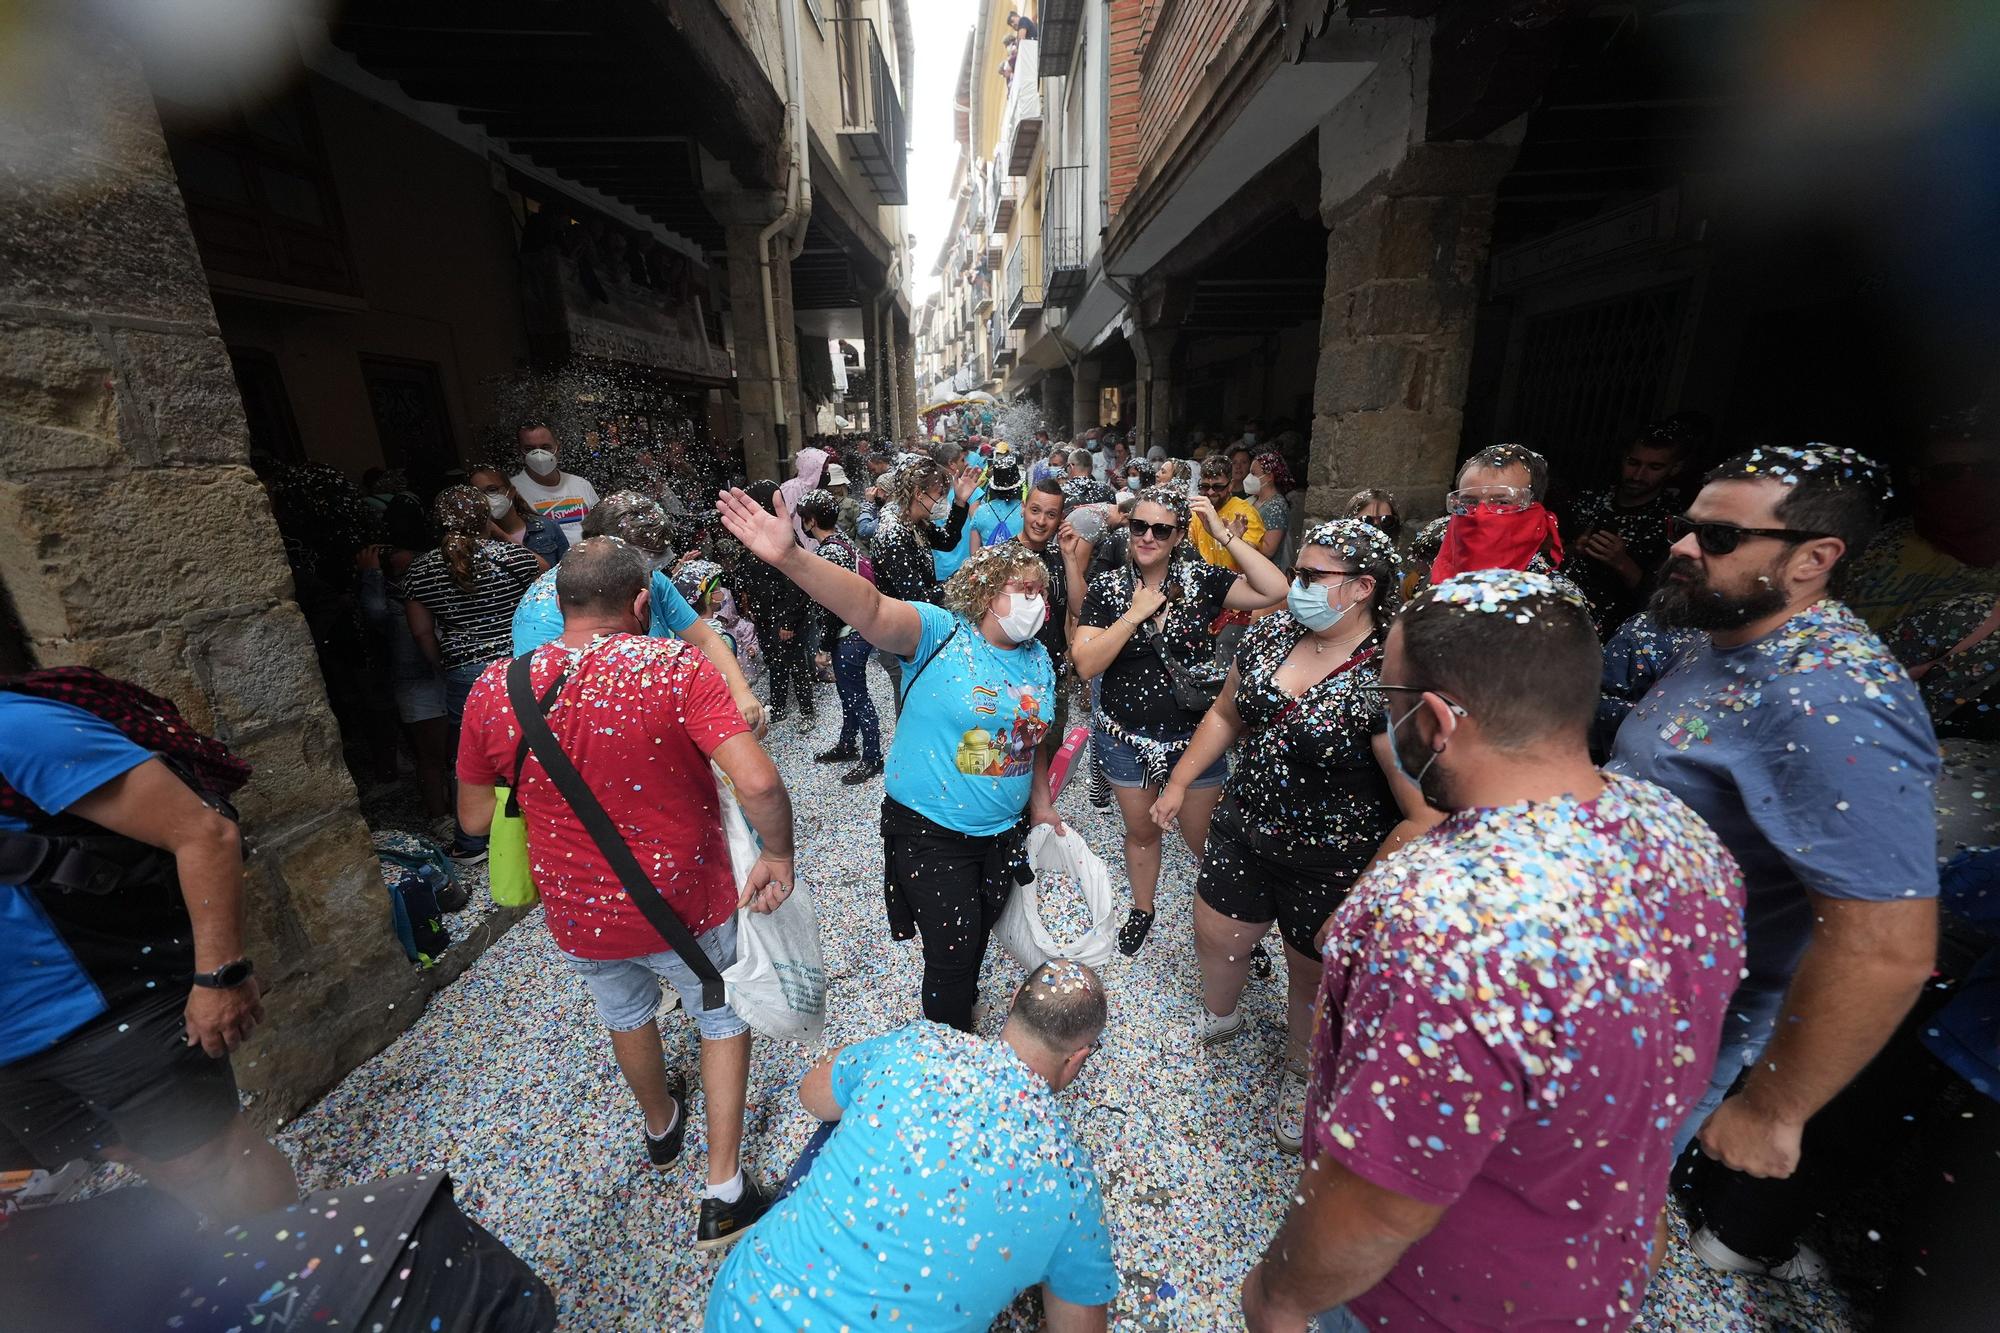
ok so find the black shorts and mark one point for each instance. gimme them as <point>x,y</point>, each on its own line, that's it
<point>1249,885</point>
<point>128,1078</point>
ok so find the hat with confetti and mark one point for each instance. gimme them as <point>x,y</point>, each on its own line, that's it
<point>696,579</point>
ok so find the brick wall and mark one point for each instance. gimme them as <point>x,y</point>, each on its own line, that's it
<point>1122,150</point>
<point>1179,40</point>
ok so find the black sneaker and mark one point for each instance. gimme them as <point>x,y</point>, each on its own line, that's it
<point>466,856</point>
<point>664,1150</point>
<point>1260,963</point>
<point>776,712</point>
<point>1132,935</point>
<point>839,754</point>
<point>723,1224</point>
<point>861,773</point>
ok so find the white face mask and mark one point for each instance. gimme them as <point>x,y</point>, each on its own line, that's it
<point>499,505</point>
<point>1252,484</point>
<point>541,462</point>
<point>1249,437</point>
<point>1027,612</point>
<point>941,511</point>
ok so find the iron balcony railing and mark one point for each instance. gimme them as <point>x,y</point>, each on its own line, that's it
<point>1001,345</point>
<point>1061,24</point>
<point>1024,282</point>
<point>1065,253</point>
<point>1004,200</point>
<point>871,112</point>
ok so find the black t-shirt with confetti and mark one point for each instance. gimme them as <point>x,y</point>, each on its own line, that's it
<point>1315,783</point>
<point>1138,691</point>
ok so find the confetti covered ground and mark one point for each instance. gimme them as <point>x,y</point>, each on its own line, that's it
<point>508,1083</point>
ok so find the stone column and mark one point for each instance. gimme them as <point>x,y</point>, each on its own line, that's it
<point>1153,347</point>
<point>134,538</point>
<point>889,358</point>
<point>1404,264</point>
<point>1083,397</point>
<point>744,214</point>
<point>910,392</point>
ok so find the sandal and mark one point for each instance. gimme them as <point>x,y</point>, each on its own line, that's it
<point>1132,935</point>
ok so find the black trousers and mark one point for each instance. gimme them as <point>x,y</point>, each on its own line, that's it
<point>947,888</point>
<point>791,669</point>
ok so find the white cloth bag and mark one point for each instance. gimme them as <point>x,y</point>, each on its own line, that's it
<point>1020,929</point>
<point>778,982</point>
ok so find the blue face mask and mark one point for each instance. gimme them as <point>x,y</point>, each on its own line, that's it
<point>1311,607</point>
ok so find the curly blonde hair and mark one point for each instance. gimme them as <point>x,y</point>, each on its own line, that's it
<point>985,573</point>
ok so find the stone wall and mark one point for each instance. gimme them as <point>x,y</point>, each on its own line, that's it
<point>1404,260</point>
<point>135,538</point>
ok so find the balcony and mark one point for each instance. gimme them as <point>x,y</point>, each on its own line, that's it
<point>1022,129</point>
<point>871,113</point>
<point>982,294</point>
<point>1002,345</point>
<point>1024,282</point>
<point>1004,200</point>
<point>1062,25</point>
<point>1065,252</point>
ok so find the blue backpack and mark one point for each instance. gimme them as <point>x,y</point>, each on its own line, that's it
<point>422,889</point>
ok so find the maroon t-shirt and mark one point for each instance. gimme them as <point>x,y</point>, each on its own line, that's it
<point>1517,1011</point>
<point>639,717</point>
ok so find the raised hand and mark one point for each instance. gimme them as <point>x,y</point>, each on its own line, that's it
<point>1201,507</point>
<point>765,535</point>
<point>967,483</point>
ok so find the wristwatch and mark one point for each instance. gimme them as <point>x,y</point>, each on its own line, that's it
<point>227,977</point>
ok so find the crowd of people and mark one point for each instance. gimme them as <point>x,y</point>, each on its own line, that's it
<point>1599,840</point>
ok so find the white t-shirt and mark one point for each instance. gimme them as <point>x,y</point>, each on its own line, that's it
<point>564,503</point>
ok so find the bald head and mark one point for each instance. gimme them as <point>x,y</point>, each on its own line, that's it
<point>1061,1005</point>
<point>601,576</point>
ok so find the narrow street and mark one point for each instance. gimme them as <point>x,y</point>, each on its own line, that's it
<point>508,1083</point>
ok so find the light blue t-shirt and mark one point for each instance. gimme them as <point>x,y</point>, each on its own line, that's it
<point>952,1184</point>
<point>964,750</point>
<point>997,521</point>
<point>538,619</point>
<point>947,562</point>
<point>1811,756</point>
<point>55,754</point>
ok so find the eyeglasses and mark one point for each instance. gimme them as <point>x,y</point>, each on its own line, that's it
<point>1722,538</point>
<point>1217,486</point>
<point>1305,578</point>
<point>1503,499</point>
<point>1161,531</point>
<point>1456,707</point>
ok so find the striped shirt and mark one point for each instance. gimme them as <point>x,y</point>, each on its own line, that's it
<point>475,626</point>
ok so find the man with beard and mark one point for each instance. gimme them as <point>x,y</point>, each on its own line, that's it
<point>1506,1003</point>
<point>1790,729</point>
<point>1621,533</point>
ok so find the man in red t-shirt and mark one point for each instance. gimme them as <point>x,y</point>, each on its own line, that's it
<point>641,718</point>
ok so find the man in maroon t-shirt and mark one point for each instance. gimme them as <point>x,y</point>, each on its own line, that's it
<point>1518,1009</point>
<point>641,719</point>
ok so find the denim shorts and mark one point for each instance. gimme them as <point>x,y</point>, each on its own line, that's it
<point>627,990</point>
<point>1123,767</point>
<point>422,700</point>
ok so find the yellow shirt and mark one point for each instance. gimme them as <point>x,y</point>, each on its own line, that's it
<point>1213,550</point>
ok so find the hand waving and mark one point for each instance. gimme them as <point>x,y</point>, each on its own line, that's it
<point>967,483</point>
<point>765,535</point>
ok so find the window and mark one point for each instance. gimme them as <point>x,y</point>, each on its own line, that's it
<point>819,19</point>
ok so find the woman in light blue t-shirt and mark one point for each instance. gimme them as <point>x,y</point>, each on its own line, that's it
<point>967,776</point>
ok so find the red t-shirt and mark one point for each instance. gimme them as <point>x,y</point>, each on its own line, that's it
<point>639,717</point>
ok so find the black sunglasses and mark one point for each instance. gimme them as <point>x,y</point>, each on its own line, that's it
<point>1722,538</point>
<point>1138,527</point>
<point>1305,578</point>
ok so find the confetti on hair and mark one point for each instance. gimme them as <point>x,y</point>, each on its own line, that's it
<point>1508,591</point>
<point>1352,539</point>
<point>1827,463</point>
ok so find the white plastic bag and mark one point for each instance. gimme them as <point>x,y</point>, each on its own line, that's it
<point>778,982</point>
<point>1021,930</point>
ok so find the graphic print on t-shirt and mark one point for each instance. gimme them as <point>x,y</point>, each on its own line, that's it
<point>1003,751</point>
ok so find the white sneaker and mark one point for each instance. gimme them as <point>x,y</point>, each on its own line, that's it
<point>1213,1031</point>
<point>1803,1266</point>
<point>1288,1119</point>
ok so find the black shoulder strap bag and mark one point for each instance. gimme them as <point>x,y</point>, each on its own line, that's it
<point>925,665</point>
<point>591,814</point>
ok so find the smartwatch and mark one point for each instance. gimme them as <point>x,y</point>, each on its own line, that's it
<point>227,977</point>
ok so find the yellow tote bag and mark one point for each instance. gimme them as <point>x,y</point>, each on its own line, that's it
<point>507,854</point>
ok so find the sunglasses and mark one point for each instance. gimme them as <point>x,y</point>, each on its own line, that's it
<point>1305,578</point>
<point>1722,538</point>
<point>1161,531</point>
<point>1458,709</point>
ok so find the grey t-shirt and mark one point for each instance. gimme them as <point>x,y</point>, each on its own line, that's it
<point>1811,756</point>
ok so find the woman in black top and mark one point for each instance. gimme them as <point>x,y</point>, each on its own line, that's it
<point>1149,630</point>
<point>914,522</point>
<point>1297,826</point>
